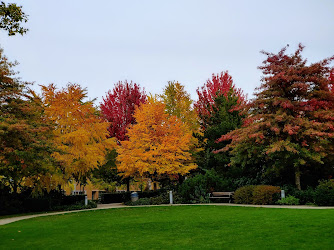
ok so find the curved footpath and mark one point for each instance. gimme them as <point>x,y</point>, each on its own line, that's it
<point>120,205</point>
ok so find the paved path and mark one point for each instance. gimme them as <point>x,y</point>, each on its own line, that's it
<point>120,205</point>
<point>100,206</point>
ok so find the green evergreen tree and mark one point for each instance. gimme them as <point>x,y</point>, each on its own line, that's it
<point>224,118</point>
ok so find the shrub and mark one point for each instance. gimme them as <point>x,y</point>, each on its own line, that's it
<point>115,197</point>
<point>77,206</point>
<point>92,204</point>
<point>324,193</point>
<point>193,190</point>
<point>258,195</point>
<point>244,195</point>
<point>289,200</point>
<point>265,194</point>
<point>163,198</point>
<point>139,202</point>
<point>196,189</point>
<point>72,199</point>
<point>149,194</point>
<point>158,200</point>
<point>305,196</point>
<point>126,196</point>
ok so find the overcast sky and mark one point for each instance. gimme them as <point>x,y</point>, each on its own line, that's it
<point>98,43</point>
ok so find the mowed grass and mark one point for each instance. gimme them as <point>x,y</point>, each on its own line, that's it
<point>177,227</point>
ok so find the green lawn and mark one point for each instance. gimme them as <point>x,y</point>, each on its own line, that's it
<point>179,227</point>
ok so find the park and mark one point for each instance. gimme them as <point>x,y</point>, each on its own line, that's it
<point>123,126</point>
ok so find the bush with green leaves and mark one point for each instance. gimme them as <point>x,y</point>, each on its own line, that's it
<point>196,189</point>
<point>305,196</point>
<point>159,200</point>
<point>78,206</point>
<point>324,193</point>
<point>139,202</point>
<point>289,200</point>
<point>163,198</point>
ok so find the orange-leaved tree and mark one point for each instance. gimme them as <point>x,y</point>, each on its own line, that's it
<point>80,134</point>
<point>158,145</point>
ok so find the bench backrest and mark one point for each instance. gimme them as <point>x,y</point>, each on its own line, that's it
<point>222,193</point>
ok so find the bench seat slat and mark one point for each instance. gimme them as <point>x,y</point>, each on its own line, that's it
<point>222,195</point>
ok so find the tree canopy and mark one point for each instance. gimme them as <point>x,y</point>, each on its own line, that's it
<point>218,106</point>
<point>179,103</point>
<point>158,144</point>
<point>290,122</point>
<point>25,137</point>
<point>80,134</point>
<point>11,18</point>
<point>119,105</point>
<point>220,84</point>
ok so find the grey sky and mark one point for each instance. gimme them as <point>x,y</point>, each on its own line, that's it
<point>97,43</point>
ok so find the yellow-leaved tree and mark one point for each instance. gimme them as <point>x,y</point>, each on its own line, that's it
<point>158,144</point>
<point>179,103</point>
<point>80,134</point>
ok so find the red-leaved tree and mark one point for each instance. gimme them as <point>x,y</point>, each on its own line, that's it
<point>119,105</point>
<point>218,107</point>
<point>291,122</point>
<point>220,84</point>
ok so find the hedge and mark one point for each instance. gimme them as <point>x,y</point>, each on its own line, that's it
<point>126,196</point>
<point>258,195</point>
<point>24,202</point>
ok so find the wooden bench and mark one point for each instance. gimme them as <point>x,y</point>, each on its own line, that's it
<point>222,195</point>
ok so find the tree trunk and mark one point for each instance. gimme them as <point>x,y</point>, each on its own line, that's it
<point>15,187</point>
<point>128,184</point>
<point>181,179</point>
<point>297,178</point>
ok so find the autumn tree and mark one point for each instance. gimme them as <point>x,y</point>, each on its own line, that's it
<point>218,106</point>
<point>119,105</point>
<point>11,17</point>
<point>179,103</point>
<point>80,134</point>
<point>220,84</point>
<point>118,108</point>
<point>105,176</point>
<point>25,137</point>
<point>158,144</point>
<point>290,126</point>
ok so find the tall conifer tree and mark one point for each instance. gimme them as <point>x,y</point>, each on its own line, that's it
<point>218,107</point>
